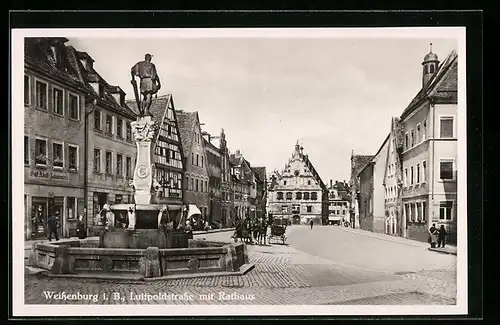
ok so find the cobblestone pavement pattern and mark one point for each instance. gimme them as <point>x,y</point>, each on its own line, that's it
<point>283,274</point>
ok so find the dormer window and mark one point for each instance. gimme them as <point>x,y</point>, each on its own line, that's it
<point>58,52</point>
<point>101,91</point>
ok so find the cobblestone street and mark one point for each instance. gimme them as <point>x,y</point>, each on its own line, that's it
<point>282,275</point>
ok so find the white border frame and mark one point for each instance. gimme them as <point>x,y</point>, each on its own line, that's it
<point>20,309</point>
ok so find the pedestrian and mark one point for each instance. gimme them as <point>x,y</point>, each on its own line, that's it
<point>80,228</point>
<point>53,222</point>
<point>311,223</point>
<point>433,235</point>
<point>442,236</point>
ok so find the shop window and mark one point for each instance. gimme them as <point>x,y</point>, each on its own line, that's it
<point>57,151</point>
<point>38,217</point>
<point>71,207</point>
<point>41,152</point>
<point>445,210</point>
<point>58,100</point>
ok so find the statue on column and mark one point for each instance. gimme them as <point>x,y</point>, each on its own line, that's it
<point>149,83</point>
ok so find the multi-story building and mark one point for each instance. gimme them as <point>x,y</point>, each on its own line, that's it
<point>227,195</point>
<point>338,201</point>
<point>299,195</point>
<point>244,186</point>
<point>196,174</point>
<point>54,99</point>
<point>357,163</point>
<point>372,198</point>
<point>393,180</point>
<point>168,156</point>
<point>429,157</point>
<point>111,152</point>
<point>214,182</point>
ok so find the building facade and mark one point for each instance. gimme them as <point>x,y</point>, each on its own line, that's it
<point>111,152</point>
<point>430,151</point>
<point>338,201</point>
<point>215,180</point>
<point>261,191</point>
<point>393,180</point>
<point>298,194</point>
<point>357,163</point>
<point>227,193</point>
<point>244,187</point>
<point>372,192</point>
<point>196,174</point>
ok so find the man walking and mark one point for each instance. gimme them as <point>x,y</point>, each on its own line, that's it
<point>53,223</point>
<point>311,223</point>
<point>442,236</point>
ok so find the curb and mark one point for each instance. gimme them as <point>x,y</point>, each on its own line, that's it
<point>442,251</point>
<point>201,232</point>
<point>408,242</point>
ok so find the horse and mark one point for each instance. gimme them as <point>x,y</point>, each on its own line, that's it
<point>260,232</point>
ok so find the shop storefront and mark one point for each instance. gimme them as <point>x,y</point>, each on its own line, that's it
<point>43,201</point>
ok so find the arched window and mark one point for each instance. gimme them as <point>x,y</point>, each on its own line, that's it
<point>309,182</point>
<point>288,195</point>
<point>280,195</point>
<point>314,196</point>
<point>431,68</point>
<point>298,196</point>
<point>306,196</point>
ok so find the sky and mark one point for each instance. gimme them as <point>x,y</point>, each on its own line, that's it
<point>334,95</point>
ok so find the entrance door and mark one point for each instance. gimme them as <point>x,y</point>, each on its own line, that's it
<point>100,200</point>
<point>39,215</point>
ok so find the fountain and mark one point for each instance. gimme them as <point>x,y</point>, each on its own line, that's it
<point>151,247</point>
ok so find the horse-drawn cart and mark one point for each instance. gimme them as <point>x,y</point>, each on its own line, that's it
<point>278,231</point>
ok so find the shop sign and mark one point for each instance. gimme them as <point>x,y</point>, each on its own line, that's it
<point>48,175</point>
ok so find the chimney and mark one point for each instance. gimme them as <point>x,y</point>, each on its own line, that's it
<point>331,183</point>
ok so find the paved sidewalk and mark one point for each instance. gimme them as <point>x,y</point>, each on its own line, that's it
<point>397,239</point>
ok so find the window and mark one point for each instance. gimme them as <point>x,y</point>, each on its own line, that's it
<point>446,127</point>
<point>288,195</point>
<point>314,196</point>
<point>109,160</point>
<point>40,152</point>
<point>284,182</point>
<point>191,184</point>
<point>73,157</point>
<point>309,208</point>
<point>26,151</point>
<point>298,196</point>
<point>97,120</point>
<point>74,107</point>
<point>431,68</point>
<point>424,211</point>
<point>206,186</point>
<point>424,171</point>
<point>129,132</point>
<point>424,130</point>
<point>446,169</point>
<point>119,124</point>
<point>197,159</point>
<point>192,158</point>
<point>280,195</point>
<point>27,90</point>
<point>405,180</point>
<point>58,100</point>
<point>101,91</point>
<point>201,186</point>
<point>118,198</point>
<point>57,155</point>
<point>308,182</point>
<point>128,167</point>
<point>71,203</point>
<point>201,161</point>
<point>406,141</point>
<point>97,160</point>
<point>445,208</point>
<point>284,208</point>
<point>41,95</point>
<point>412,138</point>
<point>119,165</point>
<point>411,175</point>
<point>306,195</point>
<point>419,211</point>
<point>418,134</point>
<point>109,124</point>
<point>418,173</point>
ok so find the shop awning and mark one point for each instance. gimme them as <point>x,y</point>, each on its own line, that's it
<point>193,210</point>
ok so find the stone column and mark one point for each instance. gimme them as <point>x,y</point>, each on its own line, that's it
<point>143,130</point>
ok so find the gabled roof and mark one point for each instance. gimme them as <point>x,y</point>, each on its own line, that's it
<point>378,151</point>
<point>442,86</point>
<point>186,122</point>
<point>38,55</point>
<point>260,172</point>
<point>358,162</point>
<point>396,134</point>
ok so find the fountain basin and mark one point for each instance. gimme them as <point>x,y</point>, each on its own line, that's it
<point>83,258</point>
